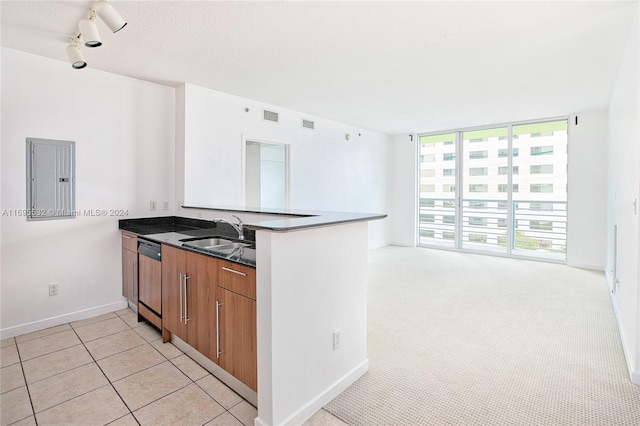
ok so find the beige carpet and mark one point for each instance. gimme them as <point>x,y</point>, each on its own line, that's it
<point>460,339</point>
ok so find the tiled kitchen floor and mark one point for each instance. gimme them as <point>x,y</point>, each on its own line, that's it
<point>113,370</point>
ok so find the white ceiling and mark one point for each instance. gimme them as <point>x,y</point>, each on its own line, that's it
<point>396,67</point>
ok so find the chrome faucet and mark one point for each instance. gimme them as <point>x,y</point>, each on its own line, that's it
<point>239,227</point>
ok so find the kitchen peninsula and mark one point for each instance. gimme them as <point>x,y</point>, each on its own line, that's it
<point>311,284</point>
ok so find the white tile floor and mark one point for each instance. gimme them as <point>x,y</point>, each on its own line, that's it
<point>110,369</point>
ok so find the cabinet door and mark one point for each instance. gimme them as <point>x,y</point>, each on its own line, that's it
<point>149,283</point>
<point>173,271</point>
<point>130,275</point>
<point>237,316</point>
<point>201,302</point>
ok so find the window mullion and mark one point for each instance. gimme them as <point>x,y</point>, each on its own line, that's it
<point>459,190</point>
<point>510,208</point>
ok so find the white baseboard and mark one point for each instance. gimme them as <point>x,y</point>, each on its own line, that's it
<point>30,327</point>
<point>585,266</point>
<point>634,376</point>
<point>307,411</point>
<point>402,244</point>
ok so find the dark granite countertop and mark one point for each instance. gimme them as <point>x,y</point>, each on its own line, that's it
<point>295,219</point>
<point>179,231</point>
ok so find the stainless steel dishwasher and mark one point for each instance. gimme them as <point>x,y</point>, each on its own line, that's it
<point>150,282</point>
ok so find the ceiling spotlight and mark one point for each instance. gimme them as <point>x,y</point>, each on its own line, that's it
<point>74,54</point>
<point>109,16</point>
<point>89,31</point>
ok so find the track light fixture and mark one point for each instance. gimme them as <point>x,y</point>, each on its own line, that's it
<point>74,54</point>
<point>89,31</point>
<point>109,16</point>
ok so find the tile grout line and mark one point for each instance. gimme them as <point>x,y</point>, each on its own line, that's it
<point>63,372</point>
<point>93,359</point>
<point>111,383</point>
<point>43,336</point>
<point>105,376</point>
<point>192,382</point>
<point>33,411</point>
<point>177,390</point>
<point>201,388</point>
<point>102,371</point>
<point>52,352</point>
<point>226,410</point>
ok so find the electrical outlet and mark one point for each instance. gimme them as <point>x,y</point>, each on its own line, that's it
<point>336,339</point>
<point>165,205</point>
<point>53,289</point>
<point>152,206</point>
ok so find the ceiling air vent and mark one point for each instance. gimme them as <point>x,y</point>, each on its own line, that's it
<point>270,115</point>
<point>308,124</point>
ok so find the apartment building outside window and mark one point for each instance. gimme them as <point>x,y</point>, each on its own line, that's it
<point>478,171</point>
<point>541,169</point>
<point>476,155</point>
<point>542,150</point>
<point>504,170</point>
<point>499,189</point>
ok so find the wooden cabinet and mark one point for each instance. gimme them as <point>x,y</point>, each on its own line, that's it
<point>201,292</point>
<point>130,267</point>
<point>238,352</point>
<point>237,322</point>
<point>211,304</point>
<point>238,278</point>
<point>174,266</point>
<point>188,298</point>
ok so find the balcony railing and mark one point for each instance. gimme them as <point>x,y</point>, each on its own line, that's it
<point>538,227</point>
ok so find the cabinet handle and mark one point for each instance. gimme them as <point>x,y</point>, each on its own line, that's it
<point>126,236</point>
<point>186,299</point>
<point>180,281</point>
<point>134,281</point>
<point>218,351</point>
<point>224,268</point>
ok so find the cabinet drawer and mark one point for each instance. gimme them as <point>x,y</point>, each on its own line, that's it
<point>129,242</point>
<point>238,278</point>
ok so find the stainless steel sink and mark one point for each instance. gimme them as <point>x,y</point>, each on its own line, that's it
<point>208,242</point>
<point>219,245</point>
<point>232,246</point>
<point>229,248</point>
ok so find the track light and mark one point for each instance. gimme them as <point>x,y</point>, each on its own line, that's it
<point>74,54</point>
<point>109,16</point>
<point>89,31</point>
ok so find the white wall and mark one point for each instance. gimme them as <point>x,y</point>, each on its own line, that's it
<point>403,190</point>
<point>305,292</point>
<point>124,134</point>
<point>587,197</point>
<point>327,171</point>
<point>624,191</point>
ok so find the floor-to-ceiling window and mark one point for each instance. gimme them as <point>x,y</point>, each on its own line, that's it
<point>438,189</point>
<point>499,189</point>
